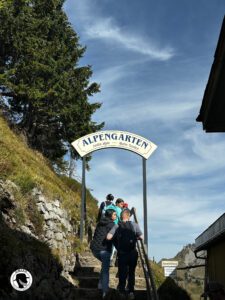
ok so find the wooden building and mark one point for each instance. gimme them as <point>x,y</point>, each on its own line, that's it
<point>212,240</point>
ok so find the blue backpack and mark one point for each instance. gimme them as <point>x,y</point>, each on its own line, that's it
<point>106,207</point>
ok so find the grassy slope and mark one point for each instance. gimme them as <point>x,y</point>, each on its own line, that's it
<point>158,274</point>
<point>28,168</point>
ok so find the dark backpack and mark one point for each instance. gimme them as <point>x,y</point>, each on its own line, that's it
<point>125,237</point>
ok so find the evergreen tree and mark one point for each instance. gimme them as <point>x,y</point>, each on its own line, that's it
<point>45,91</point>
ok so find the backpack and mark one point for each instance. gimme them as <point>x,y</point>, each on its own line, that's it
<point>107,206</point>
<point>125,238</point>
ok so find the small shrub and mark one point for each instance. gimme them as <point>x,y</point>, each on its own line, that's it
<point>19,216</point>
<point>6,163</point>
<point>157,273</point>
<point>57,255</point>
<point>77,245</point>
<point>169,290</point>
<point>35,217</point>
<point>25,182</point>
<point>63,228</point>
<point>6,168</point>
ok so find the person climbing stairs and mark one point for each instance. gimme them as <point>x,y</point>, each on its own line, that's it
<point>86,277</point>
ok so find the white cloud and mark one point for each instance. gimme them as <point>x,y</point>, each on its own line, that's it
<point>209,147</point>
<point>106,29</point>
<point>95,26</point>
<point>191,154</point>
<point>109,166</point>
<point>168,106</point>
<point>110,76</point>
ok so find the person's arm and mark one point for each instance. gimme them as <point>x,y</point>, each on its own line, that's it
<point>111,233</point>
<point>109,236</point>
<point>138,231</point>
<point>141,237</point>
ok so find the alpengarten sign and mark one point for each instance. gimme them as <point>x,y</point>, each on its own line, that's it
<point>114,139</point>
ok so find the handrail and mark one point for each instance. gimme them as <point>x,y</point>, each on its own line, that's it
<point>149,294</point>
<point>150,283</point>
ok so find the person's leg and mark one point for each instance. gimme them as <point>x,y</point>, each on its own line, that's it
<point>122,270</point>
<point>105,259</point>
<point>97,254</point>
<point>133,257</point>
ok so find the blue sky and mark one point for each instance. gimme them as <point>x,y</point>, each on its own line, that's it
<point>152,59</point>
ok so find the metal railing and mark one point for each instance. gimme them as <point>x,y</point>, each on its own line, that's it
<point>150,283</point>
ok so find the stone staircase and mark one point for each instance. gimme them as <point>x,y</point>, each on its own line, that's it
<point>86,276</point>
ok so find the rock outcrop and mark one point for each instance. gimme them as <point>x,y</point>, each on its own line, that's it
<point>42,239</point>
<point>58,232</point>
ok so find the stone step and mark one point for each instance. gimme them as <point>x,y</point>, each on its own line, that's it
<point>87,293</point>
<point>92,282</point>
<point>94,294</point>
<point>89,261</point>
<point>140,295</point>
<point>88,271</point>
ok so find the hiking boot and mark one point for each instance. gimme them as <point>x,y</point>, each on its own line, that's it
<point>131,296</point>
<point>122,295</point>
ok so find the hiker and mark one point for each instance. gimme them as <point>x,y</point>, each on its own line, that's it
<point>126,206</point>
<point>103,206</point>
<point>215,291</point>
<point>124,236</point>
<point>118,208</point>
<point>102,248</point>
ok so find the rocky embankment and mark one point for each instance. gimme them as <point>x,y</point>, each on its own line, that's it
<point>42,239</point>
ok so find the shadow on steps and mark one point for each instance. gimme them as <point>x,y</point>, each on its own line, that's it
<point>19,250</point>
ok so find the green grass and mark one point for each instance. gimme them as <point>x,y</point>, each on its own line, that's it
<point>158,274</point>
<point>28,169</point>
<point>35,217</point>
<point>92,208</point>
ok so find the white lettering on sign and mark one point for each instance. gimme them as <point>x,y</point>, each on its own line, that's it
<point>169,263</point>
<point>114,139</point>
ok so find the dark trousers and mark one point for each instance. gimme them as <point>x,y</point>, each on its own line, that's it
<point>127,263</point>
